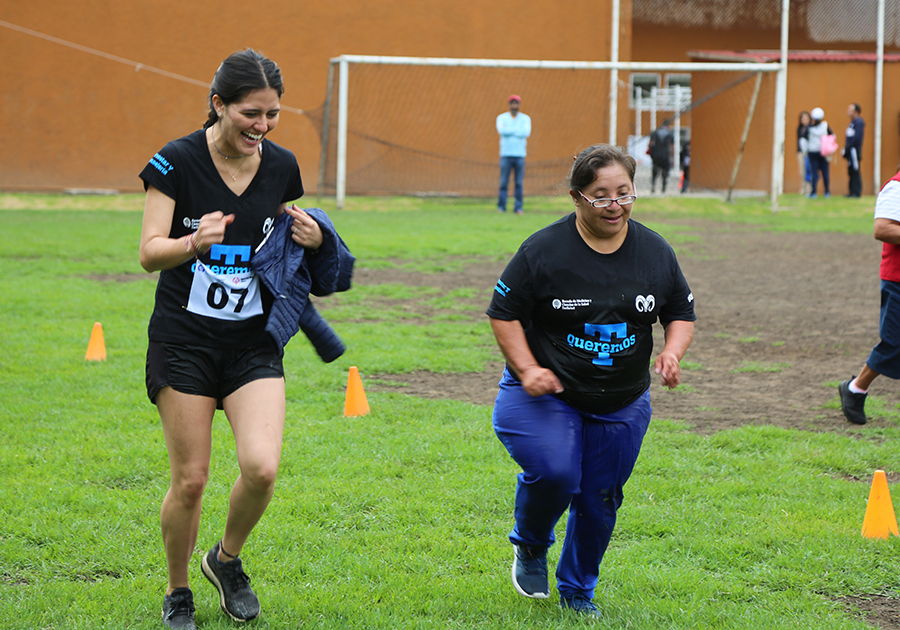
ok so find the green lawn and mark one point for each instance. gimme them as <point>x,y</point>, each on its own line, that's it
<point>397,519</point>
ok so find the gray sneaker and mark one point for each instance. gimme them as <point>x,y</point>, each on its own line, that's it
<point>235,595</point>
<point>178,610</point>
<point>581,605</point>
<point>529,572</point>
<point>853,405</point>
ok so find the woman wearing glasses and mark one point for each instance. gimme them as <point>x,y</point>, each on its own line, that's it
<point>573,314</point>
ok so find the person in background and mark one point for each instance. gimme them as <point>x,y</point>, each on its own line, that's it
<point>885,357</point>
<point>212,198</point>
<point>573,315</point>
<point>852,151</point>
<point>686,165</point>
<point>818,162</point>
<point>514,128</point>
<point>661,142</point>
<point>802,148</point>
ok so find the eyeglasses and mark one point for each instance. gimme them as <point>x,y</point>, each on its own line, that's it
<point>626,200</point>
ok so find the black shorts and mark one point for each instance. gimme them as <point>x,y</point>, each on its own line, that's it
<point>211,372</point>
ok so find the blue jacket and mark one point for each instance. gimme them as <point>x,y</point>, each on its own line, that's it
<point>291,272</point>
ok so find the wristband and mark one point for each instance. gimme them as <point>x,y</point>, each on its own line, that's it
<point>190,243</point>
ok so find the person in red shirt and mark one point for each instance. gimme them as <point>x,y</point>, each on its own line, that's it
<point>885,357</point>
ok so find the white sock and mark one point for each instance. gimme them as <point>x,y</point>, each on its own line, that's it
<point>856,390</point>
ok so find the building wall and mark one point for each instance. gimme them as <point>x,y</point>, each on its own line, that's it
<point>829,85</point>
<point>80,120</point>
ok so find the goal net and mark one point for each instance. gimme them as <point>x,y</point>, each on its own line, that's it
<point>428,129</point>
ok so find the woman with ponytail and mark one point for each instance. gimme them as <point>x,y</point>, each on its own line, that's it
<point>212,197</point>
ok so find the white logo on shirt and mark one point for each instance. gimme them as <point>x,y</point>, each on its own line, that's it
<point>644,304</point>
<point>570,305</point>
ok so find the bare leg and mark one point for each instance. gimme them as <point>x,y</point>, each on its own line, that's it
<point>865,378</point>
<point>187,425</point>
<point>256,412</point>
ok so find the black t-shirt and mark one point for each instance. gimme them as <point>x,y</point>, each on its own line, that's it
<point>588,316</point>
<point>219,303</point>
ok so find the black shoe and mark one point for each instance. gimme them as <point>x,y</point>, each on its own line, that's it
<point>235,595</point>
<point>581,605</point>
<point>853,405</point>
<point>178,610</point>
<point>529,572</point>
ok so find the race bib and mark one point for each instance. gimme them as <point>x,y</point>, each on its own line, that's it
<point>224,292</point>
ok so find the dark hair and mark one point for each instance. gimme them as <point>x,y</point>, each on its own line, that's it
<point>241,73</point>
<point>857,108</point>
<point>595,157</point>
<point>800,118</point>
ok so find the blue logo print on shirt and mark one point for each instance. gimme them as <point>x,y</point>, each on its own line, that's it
<point>501,288</point>
<point>606,346</point>
<point>230,255</point>
<point>161,164</point>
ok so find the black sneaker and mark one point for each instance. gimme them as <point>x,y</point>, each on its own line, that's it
<point>853,405</point>
<point>529,572</point>
<point>235,595</point>
<point>581,605</point>
<point>178,610</point>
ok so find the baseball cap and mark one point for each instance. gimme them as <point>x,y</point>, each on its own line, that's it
<point>514,97</point>
<point>817,113</point>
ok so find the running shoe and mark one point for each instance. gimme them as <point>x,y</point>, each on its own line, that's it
<point>235,595</point>
<point>853,405</point>
<point>529,572</point>
<point>178,610</point>
<point>581,605</point>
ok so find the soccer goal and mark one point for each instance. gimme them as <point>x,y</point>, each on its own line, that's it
<point>426,126</point>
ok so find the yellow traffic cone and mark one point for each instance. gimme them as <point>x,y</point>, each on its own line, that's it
<point>96,350</point>
<point>880,520</point>
<point>355,403</point>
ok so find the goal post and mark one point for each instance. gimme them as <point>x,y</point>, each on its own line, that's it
<point>425,126</point>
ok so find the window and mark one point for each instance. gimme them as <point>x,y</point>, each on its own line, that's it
<point>684,80</point>
<point>644,82</point>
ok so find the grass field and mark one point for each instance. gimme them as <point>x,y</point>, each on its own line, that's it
<point>397,519</point>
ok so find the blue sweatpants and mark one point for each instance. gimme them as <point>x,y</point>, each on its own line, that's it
<point>570,460</point>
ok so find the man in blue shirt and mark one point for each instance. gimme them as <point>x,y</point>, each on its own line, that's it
<point>514,128</point>
<point>853,148</point>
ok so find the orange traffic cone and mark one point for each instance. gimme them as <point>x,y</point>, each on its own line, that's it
<point>880,520</point>
<point>96,350</point>
<point>355,404</point>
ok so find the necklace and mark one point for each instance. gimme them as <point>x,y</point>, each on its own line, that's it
<point>234,177</point>
<point>228,157</point>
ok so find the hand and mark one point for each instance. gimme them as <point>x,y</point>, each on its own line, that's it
<point>211,230</point>
<point>305,231</point>
<point>669,369</point>
<point>538,381</point>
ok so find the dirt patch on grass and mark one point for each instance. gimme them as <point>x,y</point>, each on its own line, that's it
<point>878,610</point>
<point>781,319</point>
